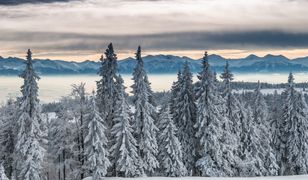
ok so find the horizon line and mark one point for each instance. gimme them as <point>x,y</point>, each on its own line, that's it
<point>162,54</point>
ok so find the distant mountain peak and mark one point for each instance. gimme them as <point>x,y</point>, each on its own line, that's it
<point>164,56</point>
<point>275,56</point>
<point>215,56</point>
<point>251,57</point>
<point>160,64</point>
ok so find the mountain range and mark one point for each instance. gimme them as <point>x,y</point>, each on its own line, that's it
<point>160,64</point>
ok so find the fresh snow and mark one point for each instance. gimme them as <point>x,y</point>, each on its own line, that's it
<point>269,91</point>
<point>303,177</point>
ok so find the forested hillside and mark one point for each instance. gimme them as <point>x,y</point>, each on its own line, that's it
<point>204,129</point>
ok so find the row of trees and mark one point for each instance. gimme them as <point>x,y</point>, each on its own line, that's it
<point>201,129</point>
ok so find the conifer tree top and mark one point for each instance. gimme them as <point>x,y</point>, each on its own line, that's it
<point>30,77</point>
<point>138,54</point>
<point>291,80</point>
<point>110,52</point>
<point>29,65</point>
<point>227,76</point>
<point>29,55</point>
<point>29,60</point>
<point>205,74</point>
<point>205,60</point>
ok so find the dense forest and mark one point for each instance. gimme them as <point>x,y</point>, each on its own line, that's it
<point>197,129</point>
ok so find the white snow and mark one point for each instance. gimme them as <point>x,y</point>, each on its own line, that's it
<point>303,177</point>
<point>269,91</point>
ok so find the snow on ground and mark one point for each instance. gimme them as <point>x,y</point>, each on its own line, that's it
<point>303,177</point>
<point>48,116</point>
<point>270,91</point>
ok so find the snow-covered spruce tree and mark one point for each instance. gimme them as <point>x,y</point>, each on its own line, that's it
<point>275,115</point>
<point>276,125</point>
<point>151,95</point>
<point>124,150</point>
<point>2,173</point>
<point>186,119</point>
<point>106,87</point>
<point>242,116</point>
<point>8,135</point>
<point>250,146</point>
<point>107,93</point>
<point>227,77</point>
<point>174,99</point>
<point>28,151</point>
<point>145,128</point>
<point>234,114</point>
<point>293,145</point>
<point>80,113</point>
<point>210,118</point>
<point>260,118</point>
<point>96,143</point>
<point>170,149</point>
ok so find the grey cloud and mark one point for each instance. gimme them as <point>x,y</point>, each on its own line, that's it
<point>17,2</point>
<point>164,41</point>
<point>276,39</point>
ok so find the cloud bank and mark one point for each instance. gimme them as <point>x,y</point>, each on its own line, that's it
<point>18,2</point>
<point>88,25</point>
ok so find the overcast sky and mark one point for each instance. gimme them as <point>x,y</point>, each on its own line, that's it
<point>80,30</point>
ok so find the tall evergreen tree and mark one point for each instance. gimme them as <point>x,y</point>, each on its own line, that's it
<point>106,86</point>
<point>151,93</point>
<point>275,109</point>
<point>174,99</point>
<point>145,127</point>
<point>279,134</point>
<point>227,78</point>
<point>124,150</point>
<point>251,147</point>
<point>28,151</point>
<point>276,125</point>
<point>8,135</point>
<point>293,144</point>
<point>107,93</point>
<point>170,149</point>
<point>209,123</point>
<point>186,118</point>
<point>96,144</point>
<point>232,129</point>
<point>260,117</point>
<point>242,113</point>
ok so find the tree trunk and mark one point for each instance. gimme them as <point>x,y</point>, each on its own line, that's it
<point>82,145</point>
<point>59,172</point>
<point>64,169</point>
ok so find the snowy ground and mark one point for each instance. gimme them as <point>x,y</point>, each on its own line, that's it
<point>304,177</point>
<point>270,91</point>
